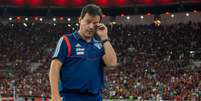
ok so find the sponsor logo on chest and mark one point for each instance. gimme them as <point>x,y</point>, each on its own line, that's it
<point>79,49</point>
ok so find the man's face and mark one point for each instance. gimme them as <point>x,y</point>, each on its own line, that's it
<point>88,25</point>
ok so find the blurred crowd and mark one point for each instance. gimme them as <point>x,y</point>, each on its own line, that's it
<point>155,62</point>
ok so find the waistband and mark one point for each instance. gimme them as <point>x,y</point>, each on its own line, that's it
<point>78,92</point>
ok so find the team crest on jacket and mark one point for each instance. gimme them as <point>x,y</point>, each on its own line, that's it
<point>98,45</point>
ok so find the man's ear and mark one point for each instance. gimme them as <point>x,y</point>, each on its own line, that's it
<point>79,20</point>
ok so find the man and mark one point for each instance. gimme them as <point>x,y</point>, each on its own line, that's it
<point>79,76</point>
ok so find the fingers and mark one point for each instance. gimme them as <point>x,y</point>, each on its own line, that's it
<point>101,26</point>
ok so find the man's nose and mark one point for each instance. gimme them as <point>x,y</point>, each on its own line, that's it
<point>91,26</point>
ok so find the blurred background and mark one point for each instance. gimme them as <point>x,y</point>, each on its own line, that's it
<point>158,44</point>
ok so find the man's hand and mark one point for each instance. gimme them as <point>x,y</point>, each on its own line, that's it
<point>56,98</point>
<point>102,31</point>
